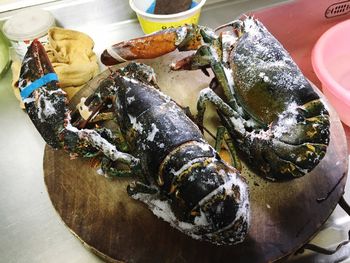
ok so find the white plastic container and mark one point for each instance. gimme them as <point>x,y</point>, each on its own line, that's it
<point>26,26</point>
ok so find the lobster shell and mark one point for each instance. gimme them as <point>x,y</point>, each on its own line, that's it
<point>284,216</point>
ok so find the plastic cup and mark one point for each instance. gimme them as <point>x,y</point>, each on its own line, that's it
<point>331,62</point>
<point>152,22</point>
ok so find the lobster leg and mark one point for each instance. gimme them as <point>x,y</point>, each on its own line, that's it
<point>138,187</point>
<point>204,57</point>
<point>113,169</point>
<point>222,135</point>
<point>208,95</point>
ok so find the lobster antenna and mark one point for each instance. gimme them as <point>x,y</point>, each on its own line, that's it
<point>233,24</point>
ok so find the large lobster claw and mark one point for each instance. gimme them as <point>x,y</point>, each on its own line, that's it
<point>44,101</point>
<point>188,37</point>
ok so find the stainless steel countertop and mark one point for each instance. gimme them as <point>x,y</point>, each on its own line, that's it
<point>30,228</point>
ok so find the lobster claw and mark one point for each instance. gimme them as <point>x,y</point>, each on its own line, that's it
<point>149,46</point>
<point>44,101</point>
<point>183,38</point>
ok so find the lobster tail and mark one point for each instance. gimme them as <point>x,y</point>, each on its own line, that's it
<point>205,193</point>
<point>227,211</point>
<point>292,123</point>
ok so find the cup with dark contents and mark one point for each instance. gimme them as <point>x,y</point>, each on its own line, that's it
<point>155,15</point>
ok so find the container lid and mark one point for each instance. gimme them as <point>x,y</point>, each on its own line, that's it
<point>28,24</point>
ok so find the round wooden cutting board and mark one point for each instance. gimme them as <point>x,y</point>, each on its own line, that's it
<point>284,216</point>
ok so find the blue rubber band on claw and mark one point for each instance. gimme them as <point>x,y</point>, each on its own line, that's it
<point>38,84</point>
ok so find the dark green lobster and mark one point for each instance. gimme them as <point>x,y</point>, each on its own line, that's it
<point>179,175</point>
<point>277,122</point>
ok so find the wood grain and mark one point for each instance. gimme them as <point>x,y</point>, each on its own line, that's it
<point>284,216</point>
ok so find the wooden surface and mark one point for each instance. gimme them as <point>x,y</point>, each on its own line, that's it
<point>284,216</point>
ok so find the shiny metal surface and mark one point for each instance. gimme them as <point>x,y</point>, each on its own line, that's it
<point>30,229</point>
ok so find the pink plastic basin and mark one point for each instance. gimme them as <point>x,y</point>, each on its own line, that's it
<point>331,62</point>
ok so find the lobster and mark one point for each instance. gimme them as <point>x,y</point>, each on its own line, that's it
<point>180,177</point>
<point>278,124</point>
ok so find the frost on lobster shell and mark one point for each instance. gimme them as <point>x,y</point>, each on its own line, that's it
<point>162,209</point>
<point>284,130</point>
